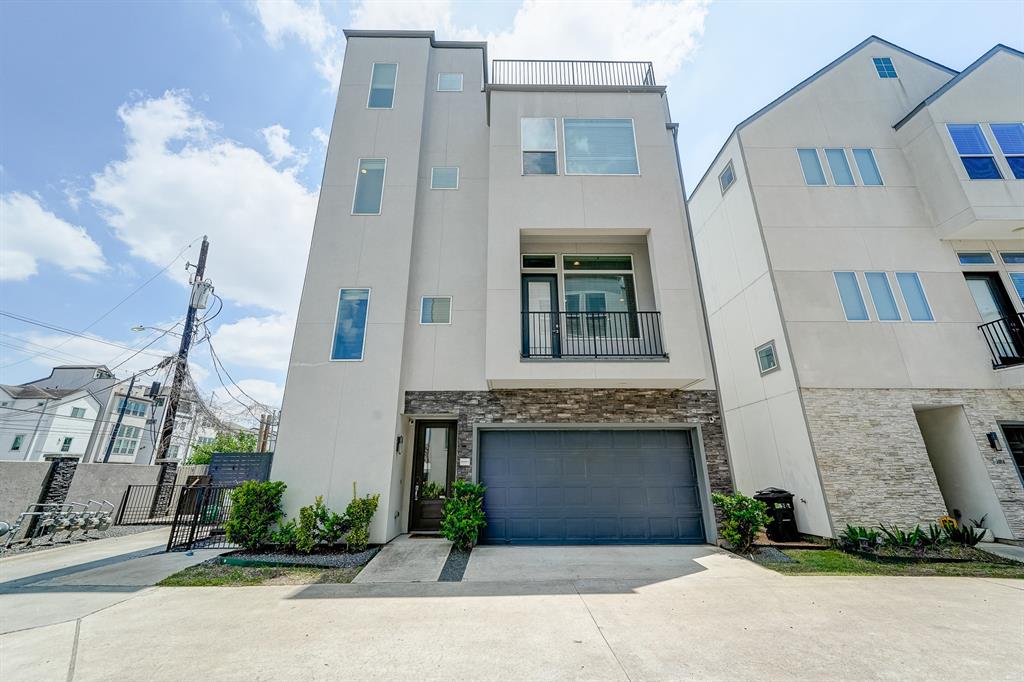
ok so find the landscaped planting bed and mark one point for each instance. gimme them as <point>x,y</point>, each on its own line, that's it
<point>837,562</point>
<point>215,574</point>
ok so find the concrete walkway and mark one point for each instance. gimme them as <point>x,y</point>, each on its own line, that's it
<point>1007,551</point>
<point>407,559</point>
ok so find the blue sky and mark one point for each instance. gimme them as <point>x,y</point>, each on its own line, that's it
<point>127,130</point>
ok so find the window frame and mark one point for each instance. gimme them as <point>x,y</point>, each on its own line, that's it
<point>892,296</point>
<point>530,268</point>
<point>458,174</point>
<point>1008,155</point>
<point>990,155</point>
<point>924,295</point>
<point>394,86</point>
<point>875,61</point>
<point>1004,254</point>
<point>860,292</point>
<point>800,162</point>
<point>126,435</point>
<point>728,169</point>
<point>991,259</point>
<point>874,161</point>
<point>17,442</point>
<point>383,185</point>
<point>636,149</point>
<point>846,160</point>
<point>775,356</point>
<point>451,310</point>
<point>334,327</point>
<point>78,412</point>
<point>523,150</point>
<point>460,74</point>
<point>563,273</point>
<point>1016,277</point>
<point>65,443</point>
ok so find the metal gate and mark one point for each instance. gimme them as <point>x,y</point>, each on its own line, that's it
<point>199,519</point>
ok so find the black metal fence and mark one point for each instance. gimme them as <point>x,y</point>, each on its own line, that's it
<point>148,505</point>
<point>571,72</point>
<point>199,519</point>
<point>592,334</point>
<point>1005,340</point>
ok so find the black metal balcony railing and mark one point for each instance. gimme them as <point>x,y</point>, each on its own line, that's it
<point>1005,339</point>
<point>592,335</point>
<point>570,72</point>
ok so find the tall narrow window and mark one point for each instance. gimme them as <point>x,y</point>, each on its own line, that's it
<point>444,177</point>
<point>867,167</point>
<point>974,151</point>
<point>1010,137</point>
<point>884,67</point>
<point>913,296</point>
<point>600,146</point>
<point>881,296</point>
<point>65,445</point>
<point>18,440</point>
<point>1018,283</point>
<point>369,187</point>
<point>350,327</point>
<point>540,146</point>
<point>851,296</point>
<point>436,310</point>
<point>811,165</point>
<point>449,82</point>
<point>840,167</point>
<point>767,359</point>
<point>382,86</point>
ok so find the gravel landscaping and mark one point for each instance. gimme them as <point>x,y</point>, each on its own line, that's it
<point>77,539</point>
<point>215,574</point>
<point>339,559</point>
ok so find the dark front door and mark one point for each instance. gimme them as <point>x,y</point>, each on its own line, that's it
<point>1002,327</point>
<point>433,470</point>
<point>1015,443</point>
<point>540,316</point>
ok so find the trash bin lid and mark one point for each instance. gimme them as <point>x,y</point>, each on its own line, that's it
<point>773,492</point>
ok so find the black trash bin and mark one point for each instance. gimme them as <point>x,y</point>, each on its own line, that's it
<point>782,527</point>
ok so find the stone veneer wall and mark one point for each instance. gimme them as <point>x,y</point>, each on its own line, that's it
<point>581,406</point>
<point>873,461</point>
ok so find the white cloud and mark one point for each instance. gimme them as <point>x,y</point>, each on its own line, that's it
<point>320,136</point>
<point>391,15</point>
<point>263,342</point>
<point>30,234</point>
<point>44,351</point>
<point>305,22</point>
<point>266,392</point>
<point>276,137</point>
<point>178,180</point>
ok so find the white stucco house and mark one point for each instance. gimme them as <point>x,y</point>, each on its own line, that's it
<point>501,287</point>
<point>861,246</point>
<point>37,422</point>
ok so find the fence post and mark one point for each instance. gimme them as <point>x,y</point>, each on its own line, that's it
<point>124,504</point>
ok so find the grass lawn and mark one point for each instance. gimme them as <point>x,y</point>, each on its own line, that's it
<point>835,562</point>
<point>219,575</point>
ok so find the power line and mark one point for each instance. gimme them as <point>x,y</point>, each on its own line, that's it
<point>62,330</point>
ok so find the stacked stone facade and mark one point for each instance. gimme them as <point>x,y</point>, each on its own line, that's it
<point>873,461</point>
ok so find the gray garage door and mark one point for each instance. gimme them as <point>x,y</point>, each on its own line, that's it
<point>590,487</point>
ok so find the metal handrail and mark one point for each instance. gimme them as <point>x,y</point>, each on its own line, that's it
<point>572,72</point>
<point>595,334</point>
<point>1005,340</point>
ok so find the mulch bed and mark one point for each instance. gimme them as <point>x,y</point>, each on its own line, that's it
<point>324,557</point>
<point>944,553</point>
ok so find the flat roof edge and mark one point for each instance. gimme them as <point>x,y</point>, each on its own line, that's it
<point>576,88</point>
<point>457,44</point>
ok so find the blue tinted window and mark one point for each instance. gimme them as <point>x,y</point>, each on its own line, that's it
<point>600,146</point>
<point>436,310</point>
<point>382,86</point>
<point>840,167</point>
<point>981,167</point>
<point>727,177</point>
<point>884,67</point>
<point>968,138</point>
<point>1010,137</point>
<point>867,167</point>
<point>369,186</point>
<point>1013,257</point>
<point>978,258</point>
<point>811,165</point>
<point>881,296</point>
<point>849,294</point>
<point>1018,283</point>
<point>444,177</point>
<point>449,82</point>
<point>1016,164</point>
<point>913,296</point>
<point>350,329</point>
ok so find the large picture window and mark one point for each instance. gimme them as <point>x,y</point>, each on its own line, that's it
<point>540,146</point>
<point>599,284</point>
<point>369,186</point>
<point>350,327</point>
<point>382,86</point>
<point>974,151</point>
<point>600,146</point>
<point>127,440</point>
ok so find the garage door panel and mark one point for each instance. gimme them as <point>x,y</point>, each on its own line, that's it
<point>587,486</point>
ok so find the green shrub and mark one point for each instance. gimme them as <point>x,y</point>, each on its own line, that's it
<point>933,536</point>
<point>359,513</point>
<point>742,519</point>
<point>858,537</point>
<point>334,527</point>
<point>462,516</point>
<point>894,536</point>
<point>243,441</point>
<point>310,529</point>
<point>964,535</point>
<point>286,536</point>
<point>255,508</point>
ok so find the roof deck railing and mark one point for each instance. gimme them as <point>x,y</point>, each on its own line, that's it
<point>561,72</point>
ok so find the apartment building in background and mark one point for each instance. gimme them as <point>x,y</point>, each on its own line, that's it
<point>861,247</point>
<point>501,288</point>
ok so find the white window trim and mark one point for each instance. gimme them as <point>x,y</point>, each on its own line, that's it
<point>860,287</point>
<point>828,162</point>
<point>800,165</point>
<point>975,265</point>
<point>334,327</point>
<point>775,354</point>
<point>523,150</point>
<point>462,80</point>
<point>21,444</point>
<point>991,151</point>
<point>383,185</point>
<point>924,292</point>
<point>892,292</point>
<point>458,177</point>
<point>728,167</point>
<point>394,88</point>
<point>636,151</point>
<point>880,76</point>
<point>859,176</point>
<point>451,311</point>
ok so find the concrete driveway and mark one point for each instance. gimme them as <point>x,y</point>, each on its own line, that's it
<point>547,613</point>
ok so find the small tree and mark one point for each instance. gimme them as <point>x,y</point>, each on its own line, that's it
<point>462,516</point>
<point>359,513</point>
<point>255,508</point>
<point>243,441</point>
<point>742,519</point>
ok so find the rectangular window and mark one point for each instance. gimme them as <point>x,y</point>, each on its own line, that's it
<point>851,296</point>
<point>811,165</point>
<point>881,296</point>
<point>600,146</point>
<point>1018,283</point>
<point>1012,257</point>
<point>1010,137</point>
<point>767,360</point>
<point>449,82</point>
<point>913,296</point>
<point>535,261</point>
<point>135,408</point>
<point>974,151</point>
<point>350,327</point>
<point>78,412</point>
<point>727,177</point>
<point>369,187</point>
<point>65,445</point>
<point>539,145</point>
<point>867,167</point>
<point>884,67</point>
<point>975,257</point>
<point>382,86</point>
<point>18,440</point>
<point>436,310</point>
<point>444,177</point>
<point>840,167</point>
<point>127,440</point>
<point>624,263</point>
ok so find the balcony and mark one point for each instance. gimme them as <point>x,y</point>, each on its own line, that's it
<point>568,73</point>
<point>1005,340</point>
<point>590,335</point>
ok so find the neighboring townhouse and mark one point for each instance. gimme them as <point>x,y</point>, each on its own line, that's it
<point>501,288</point>
<point>139,431</point>
<point>861,247</point>
<point>37,422</point>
